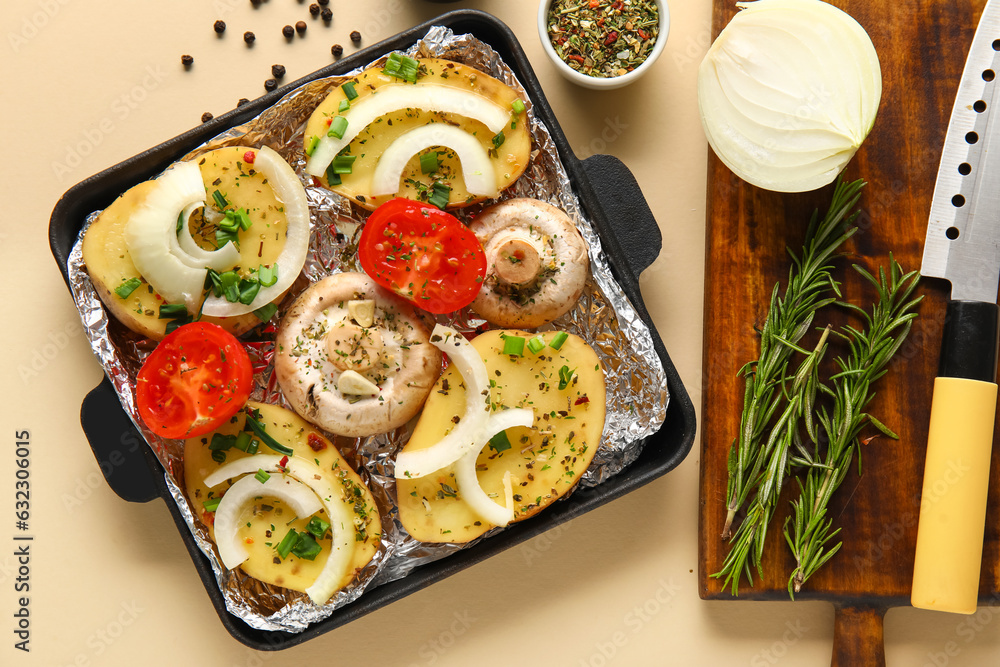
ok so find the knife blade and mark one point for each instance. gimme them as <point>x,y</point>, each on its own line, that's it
<point>963,247</point>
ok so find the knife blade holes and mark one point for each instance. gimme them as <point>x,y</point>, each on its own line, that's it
<point>958,201</point>
<point>965,169</point>
<point>988,75</point>
<point>971,138</point>
<point>979,106</point>
<point>952,233</point>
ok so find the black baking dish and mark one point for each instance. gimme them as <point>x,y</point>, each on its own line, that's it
<point>608,194</point>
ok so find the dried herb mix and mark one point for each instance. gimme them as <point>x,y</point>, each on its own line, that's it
<point>603,38</point>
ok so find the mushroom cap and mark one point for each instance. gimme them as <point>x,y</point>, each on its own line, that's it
<point>408,368</point>
<point>564,264</point>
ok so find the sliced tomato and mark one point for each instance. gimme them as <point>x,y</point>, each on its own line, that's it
<point>423,254</point>
<point>197,377</point>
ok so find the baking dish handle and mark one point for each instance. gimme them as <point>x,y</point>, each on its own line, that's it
<point>125,460</point>
<point>632,222</point>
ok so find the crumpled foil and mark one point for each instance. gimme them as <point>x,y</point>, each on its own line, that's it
<point>636,383</point>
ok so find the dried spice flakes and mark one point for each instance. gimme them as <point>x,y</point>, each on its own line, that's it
<point>601,38</point>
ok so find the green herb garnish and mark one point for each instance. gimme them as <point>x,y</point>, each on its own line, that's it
<point>127,287</point>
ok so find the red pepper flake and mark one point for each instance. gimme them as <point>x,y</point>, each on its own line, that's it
<point>208,518</point>
<point>283,462</point>
<point>329,121</point>
<point>643,33</point>
<point>249,157</point>
<point>575,57</point>
<point>316,443</point>
<point>581,400</point>
<point>611,38</point>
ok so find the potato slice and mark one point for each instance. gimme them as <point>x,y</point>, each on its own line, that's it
<point>509,160</point>
<point>269,520</point>
<point>106,255</point>
<point>545,461</point>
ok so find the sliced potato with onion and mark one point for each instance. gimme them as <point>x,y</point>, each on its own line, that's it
<point>267,520</point>
<point>388,120</point>
<point>110,266</point>
<point>544,462</point>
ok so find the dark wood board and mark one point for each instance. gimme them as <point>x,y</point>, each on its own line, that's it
<point>922,48</point>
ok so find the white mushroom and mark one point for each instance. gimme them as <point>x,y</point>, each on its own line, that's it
<point>324,354</point>
<point>536,261</point>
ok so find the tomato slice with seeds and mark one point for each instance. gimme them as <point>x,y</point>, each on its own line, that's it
<point>197,377</point>
<point>423,254</point>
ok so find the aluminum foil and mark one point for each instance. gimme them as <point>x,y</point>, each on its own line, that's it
<point>636,382</point>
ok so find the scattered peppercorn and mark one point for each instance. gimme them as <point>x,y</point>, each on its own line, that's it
<point>207,116</point>
<point>220,27</point>
<point>323,2</point>
<point>248,37</point>
<point>270,85</point>
<point>314,9</point>
<point>337,50</point>
<point>278,71</point>
<point>355,36</point>
<point>327,14</point>
<point>187,60</point>
<point>242,101</point>
<point>288,31</point>
<point>300,27</point>
<point>255,3</point>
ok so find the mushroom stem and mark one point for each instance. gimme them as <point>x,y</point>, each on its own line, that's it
<point>517,262</point>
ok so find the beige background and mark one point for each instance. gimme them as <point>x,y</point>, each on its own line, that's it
<point>88,84</point>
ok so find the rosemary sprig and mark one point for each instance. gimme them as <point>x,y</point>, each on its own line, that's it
<point>871,348</point>
<point>788,319</point>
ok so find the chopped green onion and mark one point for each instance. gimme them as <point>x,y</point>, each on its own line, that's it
<point>343,106</point>
<point>500,442</point>
<point>253,446</point>
<point>313,143</point>
<point>565,376</point>
<point>171,310</point>
<point>343,164</point>
<point>349,90</point>
<point>332,177</point>
<point>517,105</point>
<point>536,344</point>
<point>220,200</point>
<point>244,219</point>
<point>262,475</point>
<point>429,162</point>
<point>211,504</point>
<point>242,441</point>
<point>306,547</point>
<point>440,195</point>
<point>229,224</point>
<point>248,291</point>
<point>224,236</point>
<point>180,222</point>
<point>558,340</point>
<point>264,313</point>
<point>267,275</point>
<point>218,456</point>
<point>513,345</point>
<point>180,321</point>
<point>229,283</point>
<point>127,287</point>
<point>499,139</point>
<point>287,542</point>
<point>258,428</point>
<point>337,128</point>
<point>401,67</point>
<point>221,442</point>
<point>317,526</point>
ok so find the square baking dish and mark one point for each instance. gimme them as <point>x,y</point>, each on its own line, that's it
<point>610,197</point>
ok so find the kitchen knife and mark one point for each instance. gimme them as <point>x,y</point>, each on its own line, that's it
<point>963,247</point>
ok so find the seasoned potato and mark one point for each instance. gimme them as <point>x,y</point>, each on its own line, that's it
<point>269,519</point>
<point>544,461</point>
<point>509,159</point>
<point>106,255</point>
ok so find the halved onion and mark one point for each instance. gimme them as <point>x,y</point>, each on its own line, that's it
<point>289,191</point>
<point>330,495</point>
<point>187,249</point>
<point>289,490</point>
<point>477,169</point>
<point>393,97</point>
<point>788,92</point>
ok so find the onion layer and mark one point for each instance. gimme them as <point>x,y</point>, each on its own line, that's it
<point>477,169</point>
<point>788,92</point>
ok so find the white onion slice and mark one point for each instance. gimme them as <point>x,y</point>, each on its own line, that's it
<point>393,97</point>
<point>289,191</point>
<point>317,479</point>
<point>468,431</point>
<point>297,495</point>
<point>468,481</point>
<point>188,251</point>
<point>152,227</point>
<point>788,92</point>
<point>477,169</point>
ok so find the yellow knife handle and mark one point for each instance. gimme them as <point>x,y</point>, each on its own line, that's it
<point>957,469</point>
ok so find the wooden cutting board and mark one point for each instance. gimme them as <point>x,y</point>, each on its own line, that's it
<point>922,48</point>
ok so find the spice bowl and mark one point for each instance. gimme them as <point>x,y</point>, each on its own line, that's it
<point>611,28</point>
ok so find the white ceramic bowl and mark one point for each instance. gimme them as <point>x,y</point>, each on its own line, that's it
<point>600,83</point>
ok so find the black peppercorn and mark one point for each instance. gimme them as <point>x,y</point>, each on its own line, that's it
<point>220,27</point>
<point>255,3</point>
<point>323,2</point>
<point>337,50</point>
<point>355,36</point>
<point>187,60</point>
<point>242,101</point>
<point>288,31</point>
<point>314,9</point>
<point>270,85</point>
<point>300,27</point>
<point>327,14</point>
<point>278,71</point>
<point>207,116</point>
<point>248,37</point>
